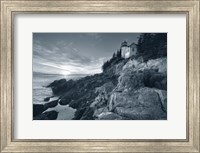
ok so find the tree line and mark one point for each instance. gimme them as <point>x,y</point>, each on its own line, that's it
<point>152,45</point>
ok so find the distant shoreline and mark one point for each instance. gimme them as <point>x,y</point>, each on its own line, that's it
<point>64,76</point>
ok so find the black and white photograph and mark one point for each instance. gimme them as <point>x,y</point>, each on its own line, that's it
<point>99,76</point>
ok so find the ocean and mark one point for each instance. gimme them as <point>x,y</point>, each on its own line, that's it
<point>40,80</point>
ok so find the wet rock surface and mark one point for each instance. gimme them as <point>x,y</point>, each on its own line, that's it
<point>50,115</point>
<point>38,109</point>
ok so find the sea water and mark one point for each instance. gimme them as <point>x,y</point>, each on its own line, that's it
<point>40,81</point>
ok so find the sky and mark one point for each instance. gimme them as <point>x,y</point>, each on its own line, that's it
<point>76,53</point>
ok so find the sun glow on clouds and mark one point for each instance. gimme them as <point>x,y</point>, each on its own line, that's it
<point>63,58</point>
<point>64,72</point>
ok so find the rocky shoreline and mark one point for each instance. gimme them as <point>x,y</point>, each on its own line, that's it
<point>129,89</point>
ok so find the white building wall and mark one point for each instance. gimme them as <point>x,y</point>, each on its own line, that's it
<point>127,51</point>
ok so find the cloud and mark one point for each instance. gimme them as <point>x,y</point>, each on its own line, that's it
<point>62,57</point>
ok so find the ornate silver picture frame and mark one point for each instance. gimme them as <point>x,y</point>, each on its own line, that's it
<point>9,8</point>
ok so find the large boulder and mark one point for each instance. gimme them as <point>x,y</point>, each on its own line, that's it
<point>50,115</point>
<point>38,109</point>
<point>143,104</point>
<point>61,86</point>
<point>51,104</point>
<point>130,80</point>
<point>118,99</point>
<point>47,98</point>
<point>155,79</point>
<point>159,63</point>
<point>103,95</point>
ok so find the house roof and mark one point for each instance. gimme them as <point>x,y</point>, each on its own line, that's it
<point>124,44</point>
<point>133,44</point>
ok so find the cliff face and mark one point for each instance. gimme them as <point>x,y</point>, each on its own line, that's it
<point>127,89</point>
<point>140,92</point>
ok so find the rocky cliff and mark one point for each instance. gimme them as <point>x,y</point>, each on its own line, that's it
<point>129,89</point>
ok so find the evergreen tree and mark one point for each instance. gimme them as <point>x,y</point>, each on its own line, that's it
<point>114,55</point>
<point>152,46</point>
<point>119,53</point>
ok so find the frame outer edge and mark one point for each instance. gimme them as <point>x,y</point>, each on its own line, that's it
<point>196,77</point>
<point>3,77</point>
<point>5,88</point>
